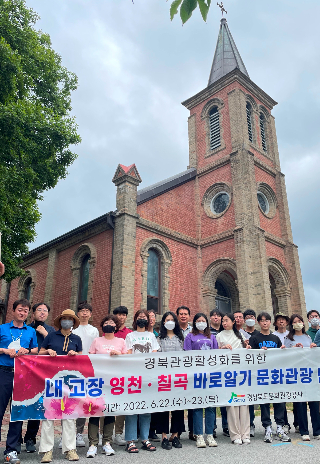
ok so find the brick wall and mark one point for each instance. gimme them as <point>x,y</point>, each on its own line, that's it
<point>174,209</point>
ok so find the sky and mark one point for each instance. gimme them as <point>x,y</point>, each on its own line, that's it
<point>135,67</point>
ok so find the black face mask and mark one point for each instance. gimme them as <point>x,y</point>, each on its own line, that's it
<point>37,323</point>
<point>108,329</point>
<point>142,323</point>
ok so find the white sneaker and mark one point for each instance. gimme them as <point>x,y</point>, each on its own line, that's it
<point>200,442</point>
<point>305,438</point>
<point>92,451</point>
<point>252,430</point>
<point>281,435</point>
<point>108,449</point>
<point>60,443</point>
<point>79,440</point>
<point>286,428</point>
<point>246,441</point>
<point>237,441</point>
<point>268,435</point>
<point>211,441</point>
<point>119,440</point>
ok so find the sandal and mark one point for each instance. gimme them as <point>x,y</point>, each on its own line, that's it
<point>146,445</point>
<point>131,448</point>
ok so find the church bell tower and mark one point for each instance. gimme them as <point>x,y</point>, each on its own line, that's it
<point>246,253</point>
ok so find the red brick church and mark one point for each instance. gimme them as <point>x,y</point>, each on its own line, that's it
<point>217,234</point>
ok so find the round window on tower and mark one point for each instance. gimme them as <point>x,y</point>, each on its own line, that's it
<point>220,202</point>
<point>217,199</point>
<point>267,200</point>
<point>263,202</point>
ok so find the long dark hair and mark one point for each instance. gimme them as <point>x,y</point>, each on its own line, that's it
<point>236,331</point>
<point>177,331</point>
<point>206,331</point>
<point>291,329</point>
<point>140,311</point>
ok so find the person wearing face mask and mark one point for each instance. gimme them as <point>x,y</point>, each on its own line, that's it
<point>215,328</point>
<point>170,339</point>
<point>297,338</point>
<point>140,341</point>
<point>87,333</point>
<point>201,339</point>
<point>107,344</point>
<point>249,320</point>
<point>314,321</point>
<point>238,416</point>
<point>61,342</point>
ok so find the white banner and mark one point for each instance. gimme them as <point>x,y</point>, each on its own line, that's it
<point>83,386</point>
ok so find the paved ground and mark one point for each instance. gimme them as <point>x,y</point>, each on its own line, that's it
<point>258,452</point>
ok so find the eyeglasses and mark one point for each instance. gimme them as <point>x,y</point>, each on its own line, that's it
<point>41,310</point>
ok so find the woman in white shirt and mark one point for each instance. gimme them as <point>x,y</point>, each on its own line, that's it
<point>140,341</point>
<point>297,338</point>
<point>238,416</point>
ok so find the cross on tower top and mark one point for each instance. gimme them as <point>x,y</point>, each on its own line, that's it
<point>222,8</point>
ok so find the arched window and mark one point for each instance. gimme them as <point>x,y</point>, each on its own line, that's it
<point>215,139</point>
<point>27,288</point>
<point>84,279</point>
<point>263,132</point>
<point>249,121</point>
<point>154,281</point>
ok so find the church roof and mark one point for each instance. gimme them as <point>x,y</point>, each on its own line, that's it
<point>165,185</point>
<point>226,57</point>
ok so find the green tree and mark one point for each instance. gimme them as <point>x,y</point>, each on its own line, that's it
<point>36,128</point>
<point>187,7</point>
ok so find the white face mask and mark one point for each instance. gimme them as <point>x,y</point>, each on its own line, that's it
<point>170,325</point>
<point>250,322</point>
<point>201,325</point>
<point>298,326</point>
<point>314,322</point>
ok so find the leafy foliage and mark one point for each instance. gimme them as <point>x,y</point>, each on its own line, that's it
<point>36,128</point>
<point>187,7</point>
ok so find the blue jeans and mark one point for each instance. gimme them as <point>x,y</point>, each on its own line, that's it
<point>210,415</point>
<point>131,426</point>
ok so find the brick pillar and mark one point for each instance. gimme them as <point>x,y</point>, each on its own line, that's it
<point>48,293</point>
<point>123,274</point>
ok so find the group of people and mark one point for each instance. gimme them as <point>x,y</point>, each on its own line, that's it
<point>73,335</point>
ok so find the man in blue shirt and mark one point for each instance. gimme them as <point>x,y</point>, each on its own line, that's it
<point>40,315</point>
<point>16,339</point>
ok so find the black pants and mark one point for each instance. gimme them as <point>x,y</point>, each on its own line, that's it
<point>190,420</point>
<point>302,417</point>
<point>153,424</point>
<point>15,428</point>
<point>32,430</point>
<point>177,422</point>
<point>279,409</point>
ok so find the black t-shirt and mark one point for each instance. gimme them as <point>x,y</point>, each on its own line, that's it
<point>259,341</point>
<point>252,334</point>
<point>62,345</point>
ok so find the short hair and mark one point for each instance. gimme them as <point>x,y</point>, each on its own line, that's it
<point>110,317</point>
<point>183,307</point>
<point>34,307</point>
<point>312,311</point>
<point>249,312</point>
<point>215,311</point>
<point>22,302</point>
<point>84,305</point>
<point>120,310</point>
<point>265,315</point>
<point>140,311</point>
<point>238,312</point>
